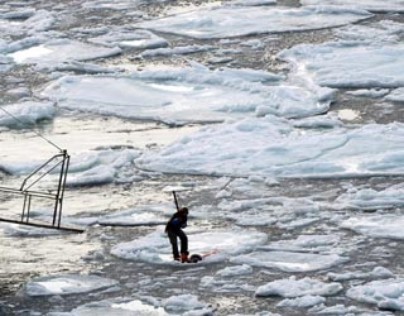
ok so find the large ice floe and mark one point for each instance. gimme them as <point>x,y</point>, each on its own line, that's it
<point>58,51</point>
<point>363,57</point>
<point>190,94</point>
<point>220,244</point>
<point>67,284</point>
<point>185,305</point>
<point>272,147</point>
<point>289,261</point>
<point>298,288</point>
<point>371,5</point>
<point>222,22</point>
<point>385,294</point>
<point>378,226</point>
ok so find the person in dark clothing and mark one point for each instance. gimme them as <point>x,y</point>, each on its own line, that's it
<point>174,231</point>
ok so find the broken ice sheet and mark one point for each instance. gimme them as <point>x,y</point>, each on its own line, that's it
<point>348,65</point>
<point>57,51</point>
<point>237,21</point>
<point>377,226</point>
<point>220,244</point>
<point>371,5</point>
<point>385,294</point>
<point>293,287</point>
<point>67,284</point>
<point>190,94</point>
<point>270,147</point>
<point>289,261</point>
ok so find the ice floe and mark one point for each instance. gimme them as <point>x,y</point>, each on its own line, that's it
<point>270,147</point>
<point>293,287</point>
<point>155,247</point>
<point>369,199</point>
<point>26,113</point>
<point>376,273</point>
<point>26,22</point>
<point>348,65</point>
<point>89,168</point>
<point>371,5</point>
<point>57,51</point>
<point>289,261</point>
<point>236,21</point>
<point>302,302</point>
<point>144,215</point>
<point>190,94</point>
<point>306,243</point>
<point>186,305</point>
<point>128,38</point>
<point>67,284</point>
<point>369,93</point>
<point>377,226</point>
<point>396,96</point>
<point>159,52</point>
<point>386,294</point>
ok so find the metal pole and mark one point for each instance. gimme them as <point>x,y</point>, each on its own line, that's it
<point>66,161</point>
<point>29,207</point>
<point>57,198</point>
<point>23,207</point>
<point>176,201</point>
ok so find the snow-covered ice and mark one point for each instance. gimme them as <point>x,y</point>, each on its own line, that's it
<point>186,305</point>
<point>26,113</point>
<point>302,302</point>
<point>306,243</point>
<point>376,273</point>
<point>386,294</point>
<point>289,261</point>
<point>370,199</point>
<point>270,147</point>
<point>129,38</point>
<point>155,247</point>
<point>396,96</point>
<point>54,52</point>
<point>348,65</point>
<point>293,287</point>
<point>236,21</point>
<point>371,5</point>
<point>378,226</point>
<point>67,284</point>
<point>191,94</point>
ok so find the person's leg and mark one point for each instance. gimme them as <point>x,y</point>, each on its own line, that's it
<point>184,246</point>
<point>174,244</point>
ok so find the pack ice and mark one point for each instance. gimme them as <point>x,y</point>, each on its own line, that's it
<point>371,5</point>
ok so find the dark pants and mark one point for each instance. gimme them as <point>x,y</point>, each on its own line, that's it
<point>173,235</point>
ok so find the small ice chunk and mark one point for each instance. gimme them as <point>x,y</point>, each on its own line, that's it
<point>386,294</point>
<point>376,273</point>
<point>379,226</point>
<point>26,113</point>
<point>67,284</point>
<point>396,96</point>
<point>302,302</point>
<point>290,261</point>
<point>298,288</point>
<point>235,271</point>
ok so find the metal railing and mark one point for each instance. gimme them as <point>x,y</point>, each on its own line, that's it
<point>61,161</point>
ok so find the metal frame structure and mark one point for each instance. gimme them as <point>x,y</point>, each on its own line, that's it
<point>61,160</point>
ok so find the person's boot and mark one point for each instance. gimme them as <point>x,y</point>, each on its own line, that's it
<point>184,258</point>
<point>177,258</point>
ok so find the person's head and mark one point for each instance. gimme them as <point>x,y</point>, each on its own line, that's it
<point>183,211</point>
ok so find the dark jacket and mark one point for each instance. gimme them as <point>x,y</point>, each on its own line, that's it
<point>176,222</point>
